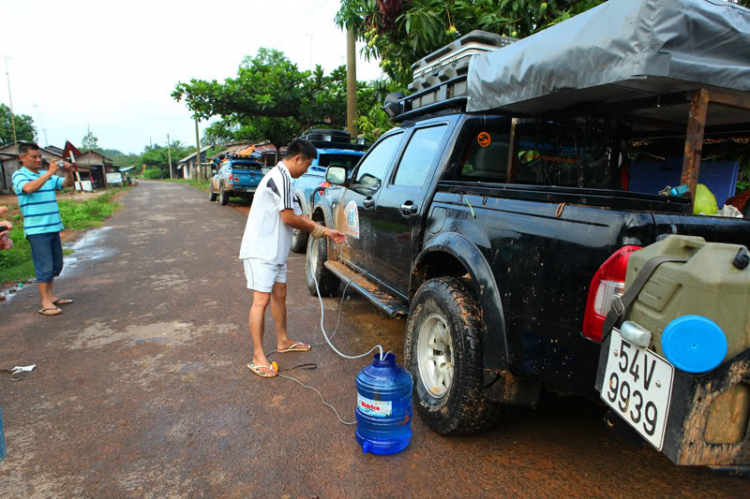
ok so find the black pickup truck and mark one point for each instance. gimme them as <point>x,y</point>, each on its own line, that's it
<point>504,274</point>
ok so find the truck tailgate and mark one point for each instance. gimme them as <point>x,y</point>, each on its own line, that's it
<point>712,229</point>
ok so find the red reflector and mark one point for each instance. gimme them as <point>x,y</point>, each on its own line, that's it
<point>607,284</point>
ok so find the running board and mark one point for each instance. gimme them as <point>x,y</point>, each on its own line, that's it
<point>382,299</point>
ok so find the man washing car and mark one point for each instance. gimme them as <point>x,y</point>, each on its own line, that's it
<point>274,215</point>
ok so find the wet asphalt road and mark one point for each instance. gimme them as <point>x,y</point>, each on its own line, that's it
<point>141,389</point>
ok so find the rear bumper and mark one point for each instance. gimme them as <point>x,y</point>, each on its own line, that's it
<point>242,189</point>
<point>708,414</point>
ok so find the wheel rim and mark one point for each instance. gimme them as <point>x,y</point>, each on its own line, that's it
<point>313,256</point>
<point>435,355</point>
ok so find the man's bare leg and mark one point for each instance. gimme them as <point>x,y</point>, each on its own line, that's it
<point>257,323</point>
<point>45,291</point>
<point>278,312</point>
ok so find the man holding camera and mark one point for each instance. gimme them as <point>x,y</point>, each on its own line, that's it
<point>35,189</point>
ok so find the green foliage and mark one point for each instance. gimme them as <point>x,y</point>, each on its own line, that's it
<point>16,264</point>
<point>25,130</point>
<point>157,157</point>
<point>400,32</point>
<point>90,143</point>
<point>153,174</point>
<point>78,215</point>
<point>270,98</point>
<point>121,159</point>
<point>372,121</point>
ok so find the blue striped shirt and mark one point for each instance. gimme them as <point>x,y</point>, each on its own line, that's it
<point>40,211</point>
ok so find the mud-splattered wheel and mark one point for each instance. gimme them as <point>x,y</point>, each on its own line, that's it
<point>299,241</point>
<point>317,254</point>
<point>443,352</point>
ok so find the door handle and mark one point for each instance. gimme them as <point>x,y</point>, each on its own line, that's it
<point>408,208</point>
<point>368,202</point>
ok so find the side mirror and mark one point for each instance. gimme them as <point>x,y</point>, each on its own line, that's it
<point>336,175</point>
<point>213,172</point>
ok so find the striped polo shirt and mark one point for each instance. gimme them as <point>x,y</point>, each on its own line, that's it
<point>40,211</point>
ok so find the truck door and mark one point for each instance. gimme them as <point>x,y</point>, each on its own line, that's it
<point>400,208</point>
<point>354,215</point>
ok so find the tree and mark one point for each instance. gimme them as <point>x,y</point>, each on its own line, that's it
<point>400,32</point>
<point>90,143</point>
<point>25,130</point>
<point>270,98</point>
<point>156,156</point>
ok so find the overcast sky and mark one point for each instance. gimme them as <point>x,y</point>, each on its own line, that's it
<point>80,63</point>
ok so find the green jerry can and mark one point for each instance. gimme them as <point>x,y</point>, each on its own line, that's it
<point>713,283</point>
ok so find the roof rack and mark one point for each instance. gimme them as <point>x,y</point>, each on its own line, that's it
<point>439,80</point>
<point>332,139</point>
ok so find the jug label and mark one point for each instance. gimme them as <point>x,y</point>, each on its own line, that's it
<point>377,408</point>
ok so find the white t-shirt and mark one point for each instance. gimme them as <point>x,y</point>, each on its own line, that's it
<point>266,236</point>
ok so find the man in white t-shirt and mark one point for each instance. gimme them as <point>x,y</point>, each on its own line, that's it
<point>274,214</point>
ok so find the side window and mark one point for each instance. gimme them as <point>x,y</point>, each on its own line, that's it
<point>486,157</point>
<point>373,168</point>
<point>419,156</point>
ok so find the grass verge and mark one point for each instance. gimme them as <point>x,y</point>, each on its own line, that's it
<point>198,184</point>
<point>16,264</point>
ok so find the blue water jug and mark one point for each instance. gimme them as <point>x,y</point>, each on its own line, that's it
<point>384,406</point>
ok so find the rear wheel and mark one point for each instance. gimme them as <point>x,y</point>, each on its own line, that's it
<point>211,194</point>
<point>223,196</point>
<point>443,352</point>
<point>317,254</point>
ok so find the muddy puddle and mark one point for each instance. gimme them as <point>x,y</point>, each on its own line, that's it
<point>90,248</point>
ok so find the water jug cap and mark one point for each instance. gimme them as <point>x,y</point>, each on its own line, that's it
<point>742,258</point>
<point>388,360</point>
<point>694,344</point>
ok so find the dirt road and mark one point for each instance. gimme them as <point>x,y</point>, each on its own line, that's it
<point>141,389</point>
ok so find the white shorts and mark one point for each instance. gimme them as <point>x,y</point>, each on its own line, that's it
<point>261,274</point>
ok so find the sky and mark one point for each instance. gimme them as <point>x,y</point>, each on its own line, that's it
<point>111,66</point>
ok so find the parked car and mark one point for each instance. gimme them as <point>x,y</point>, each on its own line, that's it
<point>502,242</point>
<point>235,177</point>
<point>340,152</point>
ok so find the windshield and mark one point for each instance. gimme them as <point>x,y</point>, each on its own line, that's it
<point>246,165</point>
<point>348,161</point>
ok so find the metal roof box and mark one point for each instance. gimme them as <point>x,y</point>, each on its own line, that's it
<point>326,135</point>
<point>450,63</point>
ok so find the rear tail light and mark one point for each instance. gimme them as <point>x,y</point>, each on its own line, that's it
<point>607,284</point>
<point>231,177</point>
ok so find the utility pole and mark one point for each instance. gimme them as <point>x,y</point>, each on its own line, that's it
<point>169,157</point>
<point>10,100</point>
<point>351,82</point>
<point>198,149</point>
<point>44,130</point>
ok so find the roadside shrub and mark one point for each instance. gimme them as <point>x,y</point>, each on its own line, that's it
<point>153,174</point>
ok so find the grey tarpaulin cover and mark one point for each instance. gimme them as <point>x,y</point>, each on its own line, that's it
<point>619,50</point>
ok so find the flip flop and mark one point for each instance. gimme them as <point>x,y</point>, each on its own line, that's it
<point>45,311</point>
<point>297,347</point>
<point>62,301</point>
<point>256,369</point>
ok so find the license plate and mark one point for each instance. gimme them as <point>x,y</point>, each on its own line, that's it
<point>638,386</point>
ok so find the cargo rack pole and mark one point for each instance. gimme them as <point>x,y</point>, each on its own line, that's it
<point>699,102</point>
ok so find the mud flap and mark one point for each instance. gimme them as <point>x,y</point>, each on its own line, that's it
<point>708,415</point>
